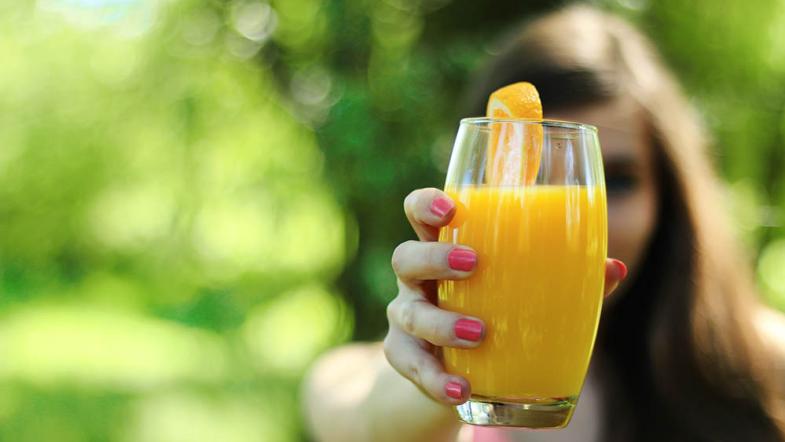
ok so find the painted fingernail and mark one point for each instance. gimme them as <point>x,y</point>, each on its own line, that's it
<point>468,329</point>
<point>621,269</point>
<point>441,206</point>
<point>454,390</point>
<point>462,259</point>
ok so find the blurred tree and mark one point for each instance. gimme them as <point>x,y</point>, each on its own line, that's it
<point>168,240</point>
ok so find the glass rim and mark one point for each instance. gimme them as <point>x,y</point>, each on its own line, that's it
<point>542,122</point>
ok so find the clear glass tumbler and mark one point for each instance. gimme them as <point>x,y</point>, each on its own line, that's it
<point>531,202</point>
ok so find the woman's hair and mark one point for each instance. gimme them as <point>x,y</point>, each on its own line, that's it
<point>679,355</point>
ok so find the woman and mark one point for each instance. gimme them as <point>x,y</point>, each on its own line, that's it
<point>685,350</point>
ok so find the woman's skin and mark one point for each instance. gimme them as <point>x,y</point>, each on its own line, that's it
<point>368,401</point>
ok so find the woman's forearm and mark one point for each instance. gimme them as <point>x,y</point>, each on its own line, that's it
<point>352,394</point>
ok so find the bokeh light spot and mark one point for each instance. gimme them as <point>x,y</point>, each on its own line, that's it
<point>51,344</point>
<point>288,334</point>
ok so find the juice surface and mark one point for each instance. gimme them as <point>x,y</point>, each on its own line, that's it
<point>538,287</point>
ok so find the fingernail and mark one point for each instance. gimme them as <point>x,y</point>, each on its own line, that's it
<point>441,206</point>
<point>621,269</point>
<point>462,259</point>
<point>468,329</point>
<point>454,390</point>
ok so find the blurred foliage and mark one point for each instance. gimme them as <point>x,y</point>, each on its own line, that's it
<point>198,197</point>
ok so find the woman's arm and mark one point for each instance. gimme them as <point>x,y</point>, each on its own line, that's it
<point>352,394</point>
<point>770,325</point>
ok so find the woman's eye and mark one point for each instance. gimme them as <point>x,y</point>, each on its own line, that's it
<point>620,184</point>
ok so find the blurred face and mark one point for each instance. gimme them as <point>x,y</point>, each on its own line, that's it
<point>628,159</point>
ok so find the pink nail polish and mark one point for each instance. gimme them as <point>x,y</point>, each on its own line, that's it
<point>454,390</point>
<point>462,259</point>
<point>621,269</point>
<point>441,206</point>
<point>468,329</point>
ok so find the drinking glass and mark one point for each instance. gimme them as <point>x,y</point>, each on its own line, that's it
<point>531,202</point>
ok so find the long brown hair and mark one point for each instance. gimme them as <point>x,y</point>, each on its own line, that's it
<point>679,356</point>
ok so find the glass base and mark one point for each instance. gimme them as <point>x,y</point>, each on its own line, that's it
<point>537,413</point>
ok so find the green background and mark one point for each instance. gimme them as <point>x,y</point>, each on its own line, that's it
<point>198,197</point>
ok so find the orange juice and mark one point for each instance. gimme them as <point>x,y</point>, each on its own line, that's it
<point>538,287</point>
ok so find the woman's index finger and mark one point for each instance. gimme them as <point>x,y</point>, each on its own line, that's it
<point>428,210</point>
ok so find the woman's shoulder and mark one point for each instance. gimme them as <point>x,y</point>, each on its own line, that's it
<point>770,325</point>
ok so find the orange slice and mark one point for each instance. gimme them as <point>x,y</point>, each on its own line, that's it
<point>514,149</point>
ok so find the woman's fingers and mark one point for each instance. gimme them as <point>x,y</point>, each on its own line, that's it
<point>418,261</point>
<point>412,359</point>
<point>427,210</point>
<point>416,316</point>
<point>615,273</point>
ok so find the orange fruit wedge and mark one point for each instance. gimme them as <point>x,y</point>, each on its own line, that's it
<point>514,149</point>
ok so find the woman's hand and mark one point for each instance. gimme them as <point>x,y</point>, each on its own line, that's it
<point>417,326</point>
